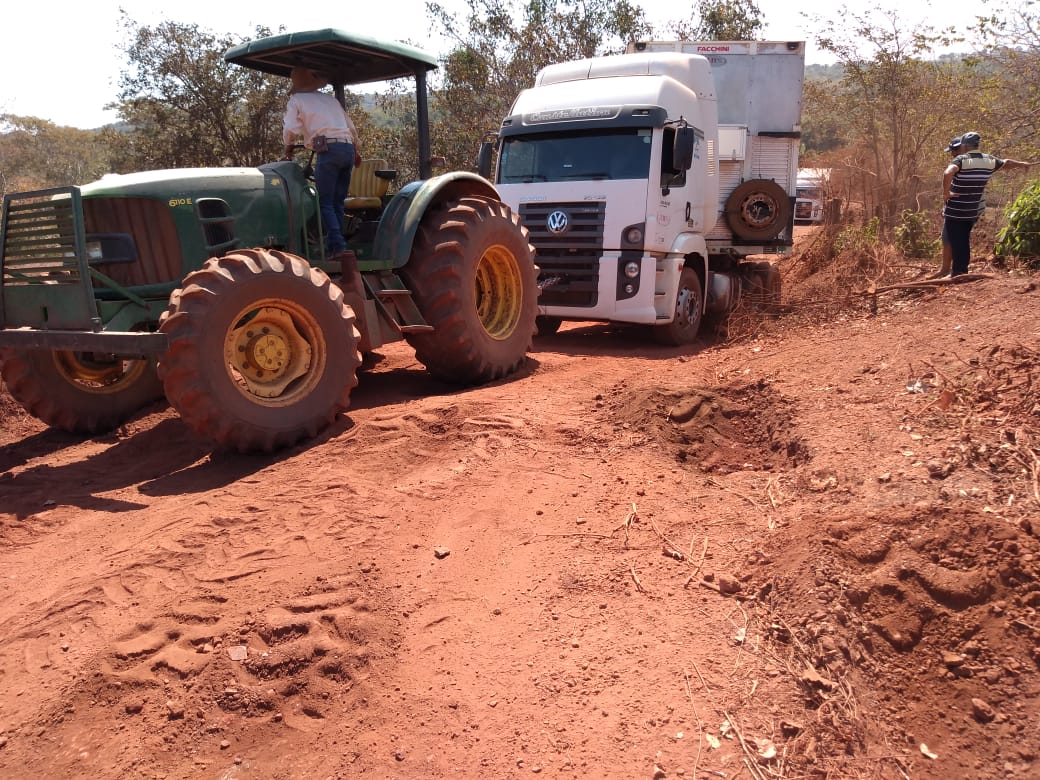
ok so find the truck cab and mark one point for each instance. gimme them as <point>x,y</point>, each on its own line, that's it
<point>646,178</point>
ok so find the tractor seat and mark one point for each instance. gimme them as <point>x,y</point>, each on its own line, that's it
<point>368,184</point>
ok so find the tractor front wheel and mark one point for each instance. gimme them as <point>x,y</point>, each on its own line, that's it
<point>263,351</point>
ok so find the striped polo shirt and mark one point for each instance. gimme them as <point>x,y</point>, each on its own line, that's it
<point>966,200</point>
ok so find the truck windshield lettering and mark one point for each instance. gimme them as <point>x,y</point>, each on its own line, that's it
<point>570,114</point>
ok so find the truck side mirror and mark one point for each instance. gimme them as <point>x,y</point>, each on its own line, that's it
<point>484,159</point>
<point>682,149</point>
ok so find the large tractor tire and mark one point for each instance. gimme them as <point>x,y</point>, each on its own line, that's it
<point>79,392</point>
<point>263,351</point>
<point>758,210</point>
<point>473,277</point>
<point>689,309</point>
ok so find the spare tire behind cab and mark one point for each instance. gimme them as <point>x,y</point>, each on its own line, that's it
<point>758,210</point>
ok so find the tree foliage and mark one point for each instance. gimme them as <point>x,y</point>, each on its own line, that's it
<point>894,103</point>
<point>721,20</point>
<point>1020,237</point>
<point>36,154</point>
<point>1010,47</point>
<point>186,107</point>
<point>498,48</point>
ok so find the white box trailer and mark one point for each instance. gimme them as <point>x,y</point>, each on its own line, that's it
<point>758,91</point>
<point>646,178</point>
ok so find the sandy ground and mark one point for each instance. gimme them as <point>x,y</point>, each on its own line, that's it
<point>808,551</point>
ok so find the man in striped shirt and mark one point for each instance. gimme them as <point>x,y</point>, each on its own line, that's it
<point>947,254</point>
<point>964,182</point>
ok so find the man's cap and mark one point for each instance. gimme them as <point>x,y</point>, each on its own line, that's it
<point>971,139</point>
<point>955,144</point>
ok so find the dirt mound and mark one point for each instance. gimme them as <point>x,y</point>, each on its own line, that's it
<point>916,631</point>
<point>921,625</point>
<point>735,427</point>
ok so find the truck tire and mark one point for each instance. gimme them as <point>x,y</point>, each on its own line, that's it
<point>689,309</point>
<point>764,292</point>
<point>771,286</point>
<point>758,210</point>
<point>547,326</point>
<point>473,277</point>
<point>79,392</point>
<point>263,351</point>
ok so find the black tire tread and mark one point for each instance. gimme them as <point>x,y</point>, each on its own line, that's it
<point>184,370</point>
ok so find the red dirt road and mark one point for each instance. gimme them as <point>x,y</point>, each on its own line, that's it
<point>808,552</point>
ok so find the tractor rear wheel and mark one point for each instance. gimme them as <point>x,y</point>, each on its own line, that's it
<point>473,277</point>
<point>263,351</point>
<point>79,392</point>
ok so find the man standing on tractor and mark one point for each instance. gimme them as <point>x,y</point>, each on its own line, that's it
<point>326,130</point>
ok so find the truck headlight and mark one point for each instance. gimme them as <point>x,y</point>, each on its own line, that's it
<point>632,269</point>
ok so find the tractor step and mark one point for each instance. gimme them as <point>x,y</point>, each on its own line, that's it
<point>395,302</point>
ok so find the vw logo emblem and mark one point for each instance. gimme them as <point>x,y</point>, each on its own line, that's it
<point>558,222</point>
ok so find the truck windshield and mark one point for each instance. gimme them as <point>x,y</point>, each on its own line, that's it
<point>619,153</point>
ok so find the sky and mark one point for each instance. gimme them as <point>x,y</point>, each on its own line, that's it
<point>65,68</point>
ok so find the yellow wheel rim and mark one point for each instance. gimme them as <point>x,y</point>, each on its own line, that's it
<point>276,351</point>
<point>101,376</point>
<point>499,292</point>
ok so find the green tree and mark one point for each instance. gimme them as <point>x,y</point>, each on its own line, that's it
<point>186,107</point>
<point>1010,40</point>
<point>1020,237</point>
<point>721,20</point>
<point>499,47</point>
<point>37,154</point>
<point>898,104</point>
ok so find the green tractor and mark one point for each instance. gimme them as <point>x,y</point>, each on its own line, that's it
<point>212,287</point>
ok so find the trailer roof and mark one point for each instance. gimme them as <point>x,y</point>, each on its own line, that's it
<point>344,58</point>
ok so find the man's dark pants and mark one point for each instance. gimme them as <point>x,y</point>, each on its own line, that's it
<point>957,233</point>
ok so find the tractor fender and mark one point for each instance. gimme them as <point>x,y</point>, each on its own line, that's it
<point>403,215</point>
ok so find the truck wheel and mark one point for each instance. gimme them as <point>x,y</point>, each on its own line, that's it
<point>263,351</point>
<point>79,392</point>
<point>547,326</point>
<point>758,210</point>
<point>689,308</point>
<point>764,287</point>
<point>473,277</point>
<point>771,287</point>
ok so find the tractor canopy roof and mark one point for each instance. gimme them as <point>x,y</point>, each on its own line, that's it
<point>342,57</point>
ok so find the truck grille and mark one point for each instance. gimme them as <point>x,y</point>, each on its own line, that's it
<point>569,259</point>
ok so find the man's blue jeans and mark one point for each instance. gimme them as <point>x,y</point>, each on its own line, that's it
<point>957,233</point>
<point>332,179</point>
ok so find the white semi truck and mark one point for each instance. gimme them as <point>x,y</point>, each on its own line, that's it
<point>647,180</point>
